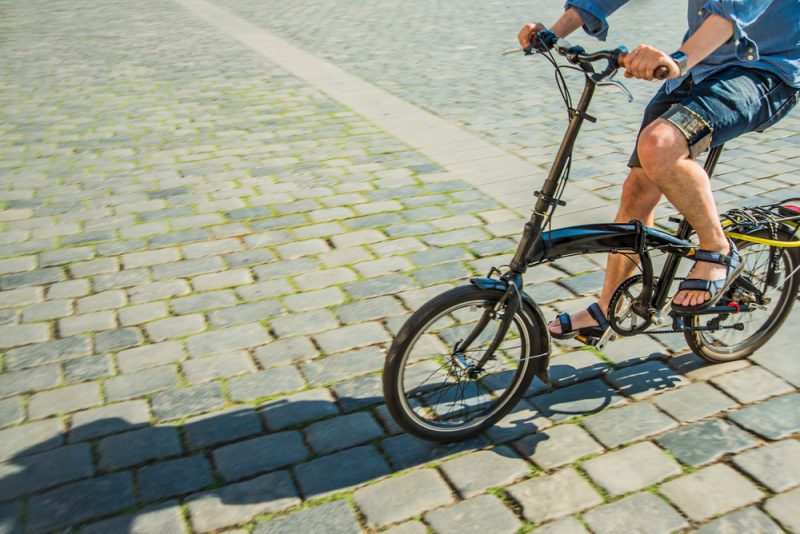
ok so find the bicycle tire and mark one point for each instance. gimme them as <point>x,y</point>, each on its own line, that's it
<point>715,351</point>
<point>533,341</point>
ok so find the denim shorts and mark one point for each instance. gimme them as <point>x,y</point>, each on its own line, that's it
<point>723,106</point>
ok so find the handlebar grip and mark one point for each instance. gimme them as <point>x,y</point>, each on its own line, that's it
<point>660,73</point>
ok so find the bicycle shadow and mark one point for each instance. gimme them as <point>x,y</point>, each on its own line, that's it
<point>229,467</point>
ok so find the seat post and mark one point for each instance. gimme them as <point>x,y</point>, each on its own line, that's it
<point>712,159</point>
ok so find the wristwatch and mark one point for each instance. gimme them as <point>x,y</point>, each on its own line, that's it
<point>682,60</point>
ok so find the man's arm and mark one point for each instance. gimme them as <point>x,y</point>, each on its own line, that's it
<point>591,14</point>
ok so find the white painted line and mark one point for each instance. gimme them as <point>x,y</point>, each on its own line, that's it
<point>463,154</point>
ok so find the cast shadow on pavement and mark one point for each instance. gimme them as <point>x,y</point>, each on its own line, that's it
<point>237,462</point>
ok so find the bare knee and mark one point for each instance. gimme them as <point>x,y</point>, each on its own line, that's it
<point>661,145</point>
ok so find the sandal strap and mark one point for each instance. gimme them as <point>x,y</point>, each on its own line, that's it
<point>565,322</point>
<point>709,256</point>
<point>598,315</point>
<point>699,284</point>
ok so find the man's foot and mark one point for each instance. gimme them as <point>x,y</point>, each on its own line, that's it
<point>581,319</point>
<point>702,270</point>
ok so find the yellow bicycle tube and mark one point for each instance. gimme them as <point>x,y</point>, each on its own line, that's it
<point>761,240</point>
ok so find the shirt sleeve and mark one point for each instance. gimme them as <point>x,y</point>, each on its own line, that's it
<point>742,13</point>
<point>594,14</point>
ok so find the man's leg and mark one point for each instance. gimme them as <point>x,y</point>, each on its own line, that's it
<point>639,199</point>
<point>664,154</point>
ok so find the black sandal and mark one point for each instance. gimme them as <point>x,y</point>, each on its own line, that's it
<point>588,331</point>
<point>716,288</point>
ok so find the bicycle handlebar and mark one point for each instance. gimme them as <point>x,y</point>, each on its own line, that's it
<point>546,40</point>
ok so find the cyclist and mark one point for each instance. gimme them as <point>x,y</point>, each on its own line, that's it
<point>737,70</point>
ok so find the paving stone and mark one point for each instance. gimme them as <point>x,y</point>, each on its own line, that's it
<point>140,383</point>
<point>632,468</point>
<point>747,520</point>
<point>88,368</point>
<point>31,278</point>
<point>266,383</point>
<point>110,419</point>
<point>370,309</point>
<point>406,451</point>
<point>249,257</point>
<point>424,490</point>
<point>220,366</point>
<point>359,392</point>
<point>29,474</point>
<point>710,492</point>
<point>138,446</point>
<point>195,267</point>
<point>239,503</point>
<point>785,509</point>
<point>17,382</point>
<point>332,518</point>
<point>557,446</point>
<point>174,477</point>
<point>580,399</point>
<point>136,281</point>
<point>178,238</point>
<point>286,351</point>
<point>304,323</point>
<point>554,496</point>
<point>23,334</point>
<point>299,408</point>
<point>780,362</point>
<point>576,367</point>
<point>640,513</point>
<point>149,356</point>
<point>204,301</point>
<point>696,368</point>
<point>340,471</point>
<point>279,269</point>
<point>150,257</point>
<point>252,311</point>
<point>20,297</point>
<point>142,313</point>
<point>257,455</point>
<point>43,311</point>
<point>50,352</point>
<point>752,384</point>
<point>233,277</point>
<point>522,420</point>
<point>87,322</point>
<point>299,249</point>
<point>211,248</point>
<point>64,400</point>
<point>31,438</point>
<point>349,337</point>
<point>10,517</point>
<point>626,424</point>
<point>220,427</point>
<point>693,402</point>
<point>776,466</point>
<point>175,327</point>
<point>18,264</point>
<point>567,525</point>
<point>8,317</point>
<point>183,402</point>
<point>121,338</point>
<point>705,441</point>
<point>81,501</point>
<point>646,379</point>
<point>773,419</point>
<point>632,350</point>
<point>473,473</point>
<point>338,367</point>
<point>409,527</point>
<point>11,412</point>
<point>342,432</point>
<point>227,339</point>
<point>477,515</point>
<point>106,300</point>
<point>375,287</point>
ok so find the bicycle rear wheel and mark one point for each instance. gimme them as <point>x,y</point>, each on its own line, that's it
<point>762,322</point>
<point>429,388</point>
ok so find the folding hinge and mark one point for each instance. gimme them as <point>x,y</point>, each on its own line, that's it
<point>583,114</point>
<point>549,199</point>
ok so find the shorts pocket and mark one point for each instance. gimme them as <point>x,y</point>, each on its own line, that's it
<point>781,112</point>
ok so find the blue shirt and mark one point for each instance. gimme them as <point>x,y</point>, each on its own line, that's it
<point>766,34</point>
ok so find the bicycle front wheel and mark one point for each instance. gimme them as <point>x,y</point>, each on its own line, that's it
<point>429,387</point>
<point>761,323</point>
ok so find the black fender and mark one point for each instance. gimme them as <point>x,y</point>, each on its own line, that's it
<point>534,311</point>
<point>608,237</point>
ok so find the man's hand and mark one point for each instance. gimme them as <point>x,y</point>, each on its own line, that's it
<point>527,33</point>
<point>643,61</point>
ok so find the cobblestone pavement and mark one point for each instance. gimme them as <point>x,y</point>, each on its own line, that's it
<point>203,260</point>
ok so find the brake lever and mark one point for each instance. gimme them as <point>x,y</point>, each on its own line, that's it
<point>619,85</point>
